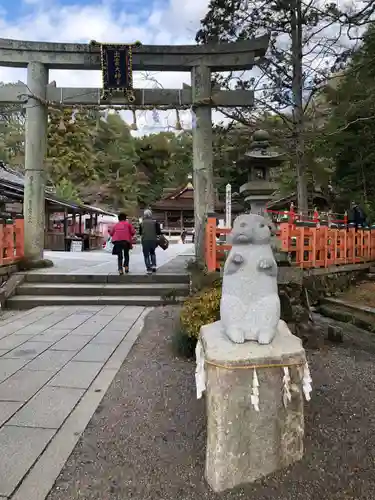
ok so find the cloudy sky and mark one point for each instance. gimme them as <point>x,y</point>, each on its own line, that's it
<point>151,22</point>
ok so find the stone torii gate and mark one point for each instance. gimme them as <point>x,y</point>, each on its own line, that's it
<point>200,61</point>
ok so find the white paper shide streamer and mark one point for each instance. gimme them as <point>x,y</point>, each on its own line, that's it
<point>287,397</point>
<point>255,391</point>
<point>200,372</point>
<point>193,120</point>
<point>306,382</point>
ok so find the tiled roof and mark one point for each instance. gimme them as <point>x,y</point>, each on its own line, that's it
<point>11,180</point>
<point>10,175</point>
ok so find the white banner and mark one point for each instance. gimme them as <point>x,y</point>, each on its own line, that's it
<point>228,206</point>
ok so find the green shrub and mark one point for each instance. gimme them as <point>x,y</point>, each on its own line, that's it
<point>183,345</point>
<point>201,278</point>
<point>199,310</point>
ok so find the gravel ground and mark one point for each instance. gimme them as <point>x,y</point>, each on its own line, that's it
<point>362,294</point>
<point>147,438</point>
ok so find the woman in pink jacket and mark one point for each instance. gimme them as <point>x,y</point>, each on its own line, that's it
<point>122,235</point>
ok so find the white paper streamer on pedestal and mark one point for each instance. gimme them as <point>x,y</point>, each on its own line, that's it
<point>73,117</point>
<point>193,120</point>
<point>255,391</point>
<point>306,382</point>
<point>200,373</point>
<point>287,397</point>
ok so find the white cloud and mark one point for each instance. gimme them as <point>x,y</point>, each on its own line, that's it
<point>174,23</point>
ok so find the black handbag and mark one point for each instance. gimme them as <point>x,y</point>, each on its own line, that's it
<point>116,249</point>
<point>163,242</point>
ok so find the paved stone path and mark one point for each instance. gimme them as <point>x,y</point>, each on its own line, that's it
<point>101,262</point>
<point>56,364</point>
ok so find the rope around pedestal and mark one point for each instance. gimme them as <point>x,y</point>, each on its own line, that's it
<point>252,367</point>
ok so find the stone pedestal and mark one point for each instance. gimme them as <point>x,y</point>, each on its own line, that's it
<point>244,444</point>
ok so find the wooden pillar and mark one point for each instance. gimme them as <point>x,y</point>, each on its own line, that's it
<point>80,223</point>
<point>65,223</point>
<point>202,155</point>
<point>35,152</point>
<point>74,222</point>
<point>46,226</point>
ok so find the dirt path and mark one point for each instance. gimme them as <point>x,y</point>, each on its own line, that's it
<point>147,438</point>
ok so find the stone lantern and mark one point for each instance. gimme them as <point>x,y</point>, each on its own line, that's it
<point>260,160</point>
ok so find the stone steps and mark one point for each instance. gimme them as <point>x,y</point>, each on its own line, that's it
<point>107,289</point>
<point>360,316</point>
<point>21,302</point>
<point>46,289</point>
<point>35,277</point>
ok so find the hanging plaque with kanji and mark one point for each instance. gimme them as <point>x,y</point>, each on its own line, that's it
<point>117,69</point>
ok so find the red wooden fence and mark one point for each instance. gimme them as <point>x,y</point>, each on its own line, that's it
<point>11,241</point>
<point>314,246</point>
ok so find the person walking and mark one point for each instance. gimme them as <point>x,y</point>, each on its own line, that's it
<point>122,235</point>
<point>149,231</point>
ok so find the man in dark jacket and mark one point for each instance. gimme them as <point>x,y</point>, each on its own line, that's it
<point>149,230</point>
<point>357,216</point>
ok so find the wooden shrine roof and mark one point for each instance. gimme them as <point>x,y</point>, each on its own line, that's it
<point>12,185</point>
<point>182,198</point>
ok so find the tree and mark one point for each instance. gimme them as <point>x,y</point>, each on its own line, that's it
<point>70,153</point>
<point>306,42</point>
<point>12,130</point>
<point>181,159</point>
<point>66,190</point>
<point>116,164</point>
<point>156,155</point>
<point>349,134</point>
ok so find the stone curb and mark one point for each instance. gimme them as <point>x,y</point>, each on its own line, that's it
<point>9,288</point>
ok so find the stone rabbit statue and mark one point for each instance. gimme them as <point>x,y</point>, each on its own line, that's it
<point>250,304</point>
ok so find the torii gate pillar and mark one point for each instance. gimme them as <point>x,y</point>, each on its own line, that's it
<point>35,153</point>
<point>204,199</point>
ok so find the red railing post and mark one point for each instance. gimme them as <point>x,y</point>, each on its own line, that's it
<point>8,243</point>
<point>284,235</point>
<point>2,242</point>
<point>19,233</point>
<point>291,214</point>
<point>210,243</point>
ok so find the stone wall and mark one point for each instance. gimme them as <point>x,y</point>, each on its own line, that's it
<point>328,282</point>
<point>6,271</point>
<point>299,289</point>
<point>8,282</point>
